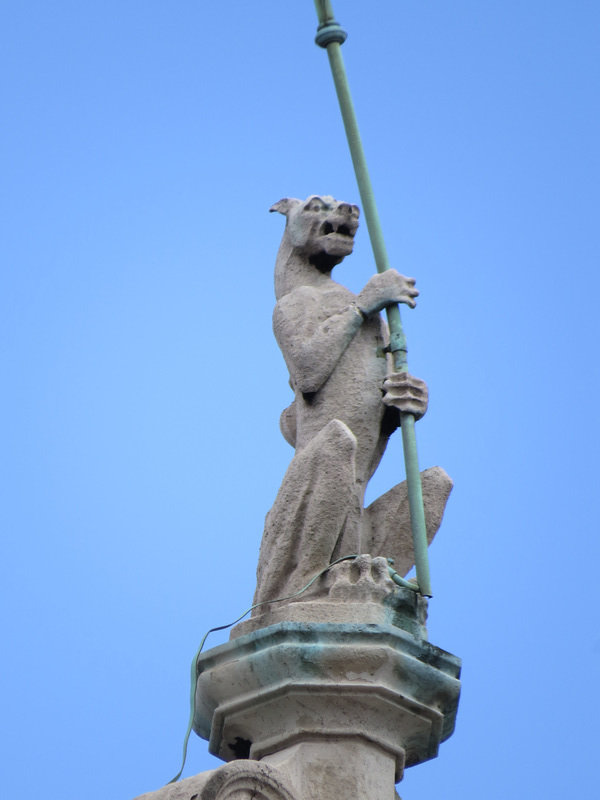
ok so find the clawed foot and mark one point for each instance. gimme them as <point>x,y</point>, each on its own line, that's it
<point>362,579</point>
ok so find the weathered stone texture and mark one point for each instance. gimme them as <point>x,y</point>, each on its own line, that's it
<point>347,399</point>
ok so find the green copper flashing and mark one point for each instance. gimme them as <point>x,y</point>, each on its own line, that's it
<point>329,37</point>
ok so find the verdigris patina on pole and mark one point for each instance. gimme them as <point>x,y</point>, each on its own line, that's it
<point>331,36</point>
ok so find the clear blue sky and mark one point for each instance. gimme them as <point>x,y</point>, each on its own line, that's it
<point>142,144</point>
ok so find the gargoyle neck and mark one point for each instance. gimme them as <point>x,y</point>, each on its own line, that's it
<point>293,269</point>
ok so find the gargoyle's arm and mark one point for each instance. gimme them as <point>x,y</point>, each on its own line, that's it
<point>310,345</point>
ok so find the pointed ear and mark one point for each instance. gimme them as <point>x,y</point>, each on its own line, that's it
<point>285,206</point>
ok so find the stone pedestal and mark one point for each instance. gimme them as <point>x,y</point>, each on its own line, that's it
<point>298,695</point>
<point>329,698</point>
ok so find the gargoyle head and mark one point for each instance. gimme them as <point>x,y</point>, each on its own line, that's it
<point>320,228</point>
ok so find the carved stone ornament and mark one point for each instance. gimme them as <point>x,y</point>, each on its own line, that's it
<point>238,780</point>
<point>347,399</point>
<point>247,780</point>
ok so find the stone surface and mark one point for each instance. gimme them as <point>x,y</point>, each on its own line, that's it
<point>348,769</point>
<point>328,697</point>
<point>239,780</point>
<point>386,522</point>
<point>357,589</point>
<point>294,683</point>
<point>347,402</point>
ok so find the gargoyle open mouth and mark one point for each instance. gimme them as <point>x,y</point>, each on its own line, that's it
<point>342,230</point>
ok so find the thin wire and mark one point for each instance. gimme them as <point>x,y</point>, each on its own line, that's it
<point>194,666</point>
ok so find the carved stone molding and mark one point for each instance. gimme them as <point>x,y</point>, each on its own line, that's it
<point>238,780</point>
<point>296,682</point>
<point>246,780</point>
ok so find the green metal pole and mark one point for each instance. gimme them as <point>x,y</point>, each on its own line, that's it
<point>331,36</point>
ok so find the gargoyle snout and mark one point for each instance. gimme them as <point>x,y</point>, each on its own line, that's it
<point>344,220</point>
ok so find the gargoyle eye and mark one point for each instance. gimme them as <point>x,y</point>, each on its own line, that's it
<point>315,207</point>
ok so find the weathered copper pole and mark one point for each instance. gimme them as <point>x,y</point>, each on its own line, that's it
<point>330,36</point>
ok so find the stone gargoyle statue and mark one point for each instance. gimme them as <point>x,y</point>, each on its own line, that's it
<point>346,406</point>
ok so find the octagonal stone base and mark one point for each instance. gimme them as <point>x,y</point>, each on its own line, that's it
<point>325,698</point>
<point>293,683</point>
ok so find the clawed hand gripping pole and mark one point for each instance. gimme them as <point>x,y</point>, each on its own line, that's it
<point>330,36</point>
